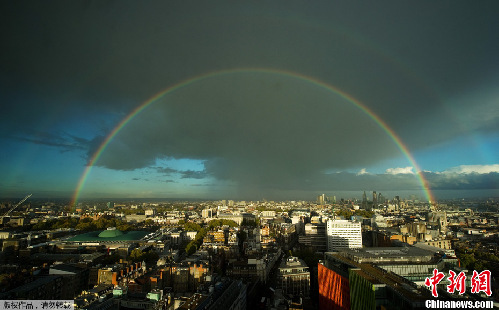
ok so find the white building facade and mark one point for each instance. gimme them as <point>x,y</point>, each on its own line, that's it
<point>343,234</point>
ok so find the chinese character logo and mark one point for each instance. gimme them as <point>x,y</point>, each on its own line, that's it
<point>480,282</point>
<point>456,283</point>
<point>433,281</point>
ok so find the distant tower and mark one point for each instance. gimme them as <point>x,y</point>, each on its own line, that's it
<point>397,202</point>
<point>380,198</point>
<point>375,200</point>
<point>364,200</point>
<point>321,199</point>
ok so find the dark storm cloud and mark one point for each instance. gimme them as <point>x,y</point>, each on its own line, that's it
<point>456,181</point>
<point>251,128</point>
<point>345,181</point>
<point>112,55</point>
<point>98,60</point>
<point>262,131</point>
<point>444,180</point>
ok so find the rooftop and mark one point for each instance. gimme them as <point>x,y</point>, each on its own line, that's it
<point>109,235</point>
<point>111,232</point>
<point>388,254</point>
<point>292,262</point>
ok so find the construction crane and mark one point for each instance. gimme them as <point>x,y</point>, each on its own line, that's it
<point>16,205</point>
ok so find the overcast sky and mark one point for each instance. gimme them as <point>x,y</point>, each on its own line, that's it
<point>71,71</point>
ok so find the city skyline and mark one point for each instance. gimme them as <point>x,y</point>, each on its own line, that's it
<point>277,101</point>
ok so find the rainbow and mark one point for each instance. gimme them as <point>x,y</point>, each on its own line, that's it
<point>396,139</point>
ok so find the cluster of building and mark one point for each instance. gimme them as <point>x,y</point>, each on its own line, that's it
<point>245,255</point>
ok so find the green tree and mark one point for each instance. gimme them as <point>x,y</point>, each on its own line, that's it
<point>345,213</point>
<point>364,213</point>
<point>479,265</point>
<point>43,225</point>
<point>151,257</point>
<point>191,248</point>
<point>200,235</point>
<point>189,226</point>
<point>86,226</point>
<point>217,223</point>
<point>125,227</point>
<point>137,255</point>
<point>467,260</point>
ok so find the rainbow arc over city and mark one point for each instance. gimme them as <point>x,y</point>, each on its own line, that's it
<point>278,72</point>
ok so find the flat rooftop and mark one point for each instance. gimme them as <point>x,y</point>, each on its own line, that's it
<point>382,255</point>
<point>292,262</point>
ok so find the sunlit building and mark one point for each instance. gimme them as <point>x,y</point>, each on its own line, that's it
<point>294,277</point>
<point>343,234</point>
<point>347,282</point>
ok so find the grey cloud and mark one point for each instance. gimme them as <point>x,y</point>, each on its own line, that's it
<point>260,130</point>
<point>191,174</point>
<point>166,170</point>
<point>63,141</point>
<point>351,184</point>
<point>99,60</point>
<point>387,58</point>
<point>459,181</point>
<point>251,128</point>
<point>184,174</point>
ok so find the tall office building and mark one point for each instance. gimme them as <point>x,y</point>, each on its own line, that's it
<point>343,234</point>
<point>397,202</point>
<point>375,200</point>
<point>381,199</point>
<point>321,199</point>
